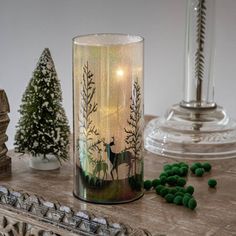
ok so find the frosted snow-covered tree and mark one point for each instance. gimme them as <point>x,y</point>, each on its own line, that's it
<point>43,126</point>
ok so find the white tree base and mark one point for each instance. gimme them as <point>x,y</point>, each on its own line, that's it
<point>41,163</point>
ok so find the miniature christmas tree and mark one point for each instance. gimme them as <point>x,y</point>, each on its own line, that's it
<point>43,126</point>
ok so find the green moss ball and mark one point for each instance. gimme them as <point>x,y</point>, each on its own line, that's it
<point>177,177</point>
<point>172,190</point>
<point>156,182</point>
<point>179,194</point>
<point>178,188</point>
<point>199,172</point>
<point>190,189</point>
<point>169,172</point>
<point>181,182</point>
<point>178,200</point>
<point>192,203</point>
<point>176,170</point>
<point>198,164</point>
<point>159,188</point>
<point>183,171</point>
<point>169,197</point>
<point>182,190</point>
<point>206,166</point>
<point>188,195</point>
<point>164,192</point>
<point>147,184</point>
<point>167,167</point>
<point>177,164</point>
<point>171,180</point>
<point>184,164</point>
<point>212,183</point>
<point>193,168</point>
<point>163,174</point>
<point>163,180</point>
<point>186,200</point>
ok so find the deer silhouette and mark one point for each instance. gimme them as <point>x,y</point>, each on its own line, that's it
<point>101,166</point>
<point>118,158</point>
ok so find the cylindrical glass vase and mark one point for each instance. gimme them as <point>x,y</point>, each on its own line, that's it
<point>199,54</point>
<point>108,117</point>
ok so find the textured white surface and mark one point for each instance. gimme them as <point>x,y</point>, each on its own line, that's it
<point>40,163</point>
<point>28,26</point>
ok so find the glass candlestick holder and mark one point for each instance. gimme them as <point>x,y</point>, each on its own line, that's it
<point>108,118</point>
<point>196,128</point>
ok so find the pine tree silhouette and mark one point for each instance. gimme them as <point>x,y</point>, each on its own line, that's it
<point>87,130</point>
<point>199,55</point>
<point>134,133</point>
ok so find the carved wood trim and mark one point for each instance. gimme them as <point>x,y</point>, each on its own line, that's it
<point>23,214</point>
<point>12,227</point>
<point>5,162</point>
<point>5,166</point>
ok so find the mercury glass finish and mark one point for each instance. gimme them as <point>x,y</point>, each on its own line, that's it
<point>108,117</point>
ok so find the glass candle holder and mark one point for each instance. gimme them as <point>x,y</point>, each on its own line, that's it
<point>108,117</point>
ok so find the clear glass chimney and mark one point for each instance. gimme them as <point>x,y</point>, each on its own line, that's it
<point>195,128</point>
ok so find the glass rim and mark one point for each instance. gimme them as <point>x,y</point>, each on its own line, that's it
<point>128,39</point>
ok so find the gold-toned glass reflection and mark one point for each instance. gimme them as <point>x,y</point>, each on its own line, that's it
<point>108,117</point>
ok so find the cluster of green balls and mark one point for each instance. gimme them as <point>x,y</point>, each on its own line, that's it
<point>199,169</point>
<point>170,185</point>
<point>171,182</point>
<point>178,195</point>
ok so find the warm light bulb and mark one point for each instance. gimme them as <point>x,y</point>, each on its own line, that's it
<point>120,73</point>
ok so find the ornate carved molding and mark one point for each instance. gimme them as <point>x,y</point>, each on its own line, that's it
<point>30,215</point>
<point>5,166</point>
<point>11,227</point>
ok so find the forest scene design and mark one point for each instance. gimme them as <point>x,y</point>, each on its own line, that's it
<point>87,131</point>
<point>134,141</point>
<point>98,165</point>
<point>199,55</point>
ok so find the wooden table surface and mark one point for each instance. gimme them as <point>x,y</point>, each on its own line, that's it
<point>214,215</point>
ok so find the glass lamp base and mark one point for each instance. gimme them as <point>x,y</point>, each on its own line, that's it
<point>187,133</point>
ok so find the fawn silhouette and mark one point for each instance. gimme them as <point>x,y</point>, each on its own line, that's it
<point>101,166</point>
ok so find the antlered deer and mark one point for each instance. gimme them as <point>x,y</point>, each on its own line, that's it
<point>118,158</point>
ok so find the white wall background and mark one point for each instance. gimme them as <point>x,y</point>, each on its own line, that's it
<point>28,26</point>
